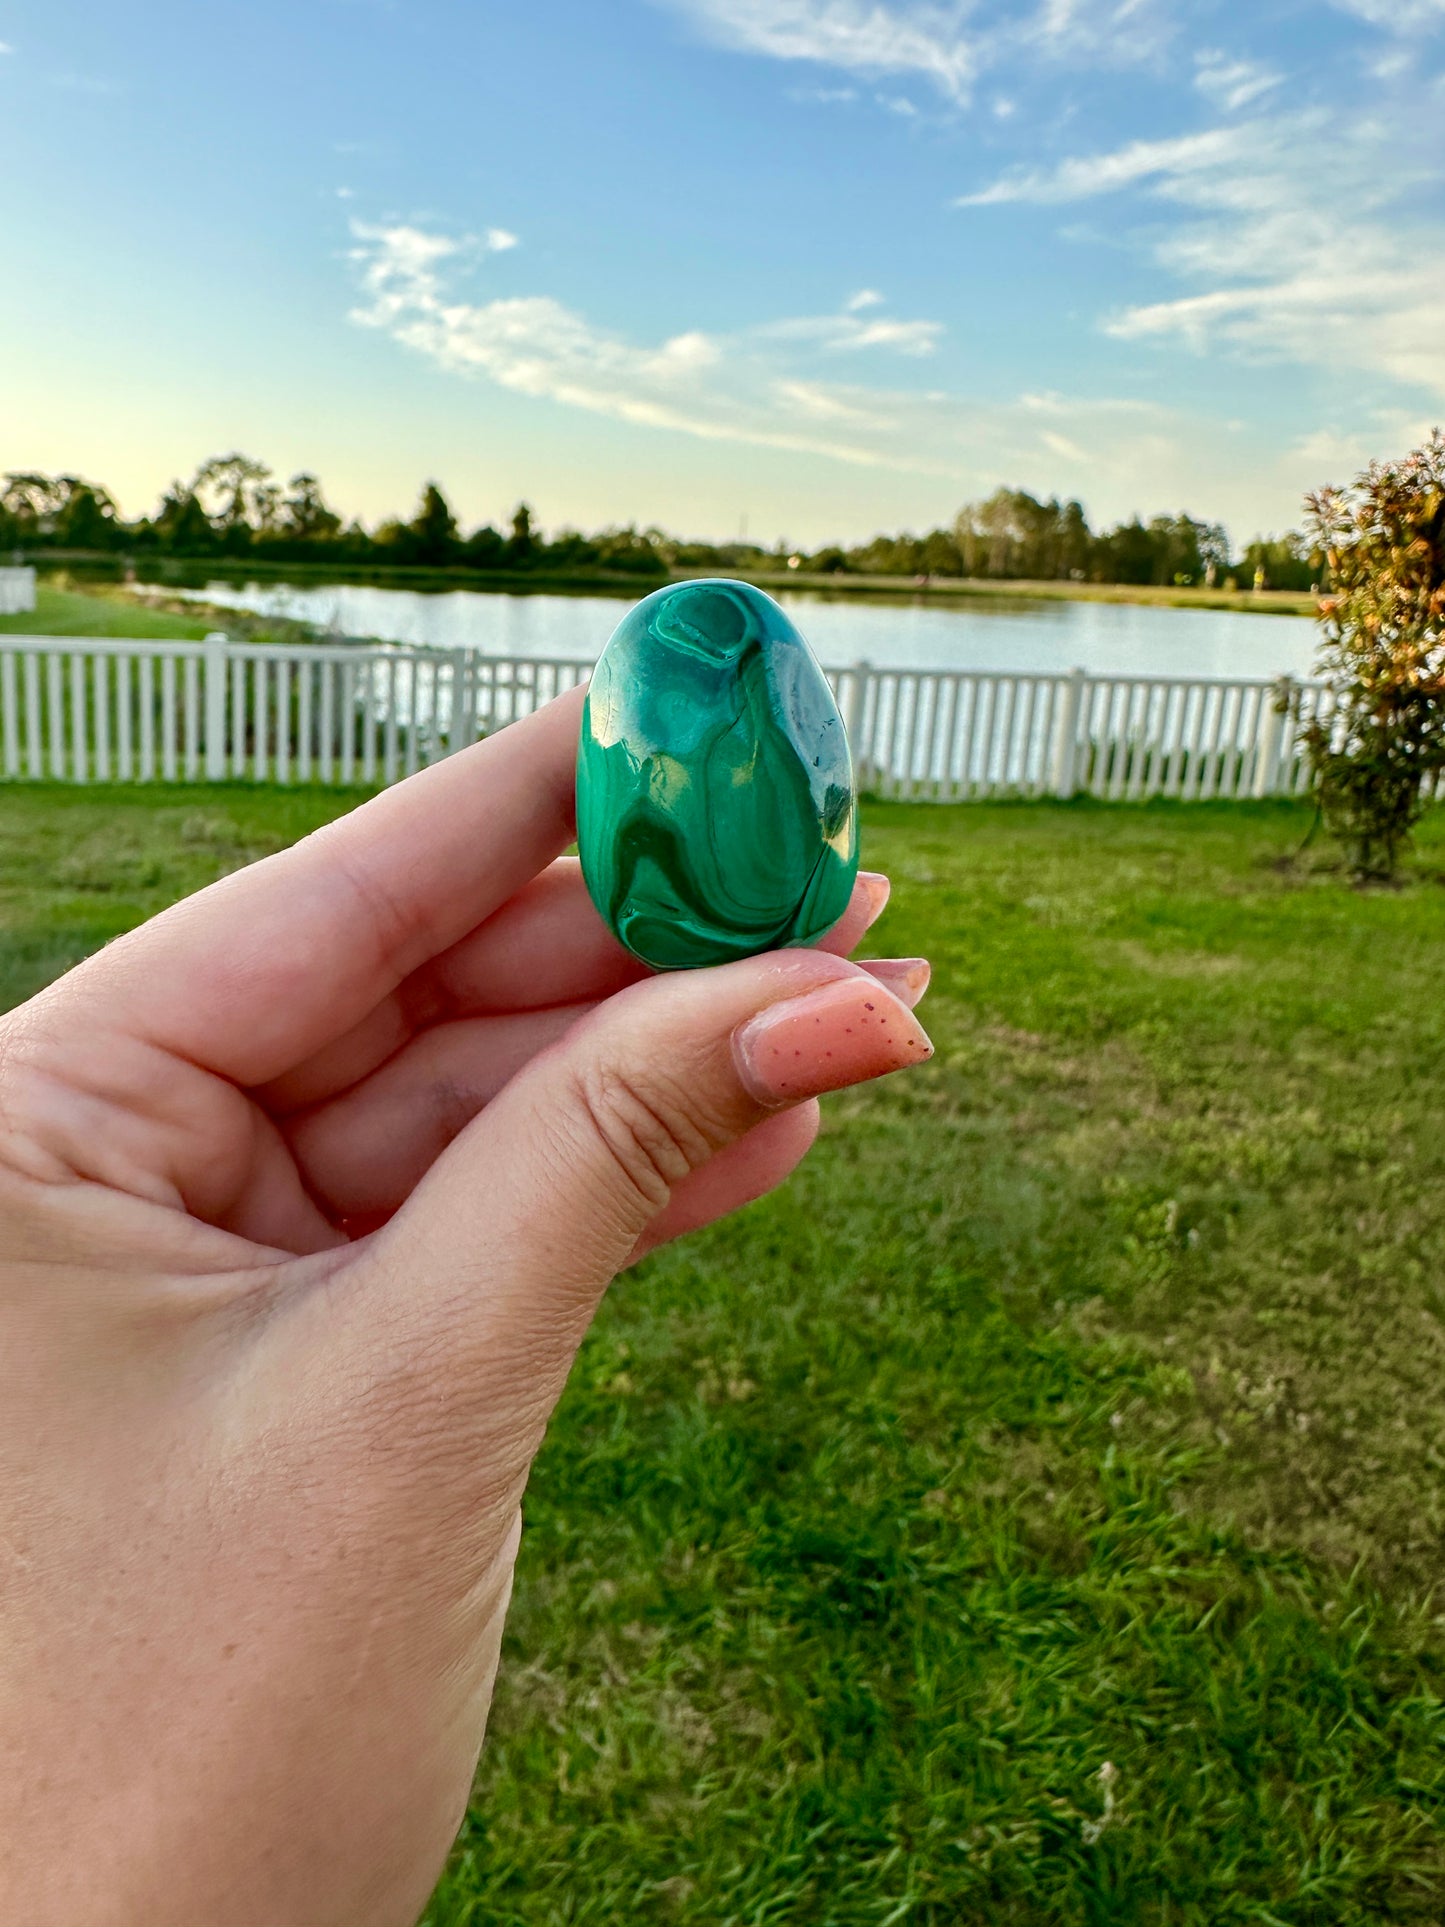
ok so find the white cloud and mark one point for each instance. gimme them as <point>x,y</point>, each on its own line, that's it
<point>897,104</point>
<point>948,43</point>
<point>1391,65</point>
<point>766,386</point>
<point>5,47</point>
<point>718,388</point>
<point>1302,237</point>
<point>859,36</point>
<point>1232,84</point>
<point>822,96</point>
<point>865,298</point>
<point>499,240</point>
<point>1396,16</point>
<point>847,332</point>
<point>1083,177</point>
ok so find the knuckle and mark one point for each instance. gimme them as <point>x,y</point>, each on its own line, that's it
<point>654,1136</point>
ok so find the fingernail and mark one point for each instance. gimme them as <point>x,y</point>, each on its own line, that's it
<point>906,977</point>
<point>876,889</point>
<point>844,1033</point>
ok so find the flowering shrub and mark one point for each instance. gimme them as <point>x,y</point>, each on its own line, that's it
<point>1375,760</point>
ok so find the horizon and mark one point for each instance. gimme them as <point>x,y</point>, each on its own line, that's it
<point>904,254</point>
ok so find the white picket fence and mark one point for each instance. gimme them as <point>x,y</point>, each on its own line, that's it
<point>86,710</point>
<point>17,592</point>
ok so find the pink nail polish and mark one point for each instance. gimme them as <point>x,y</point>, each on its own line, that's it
<point>844,1033</point>
<point>876,890</point>
<point>907,977</point>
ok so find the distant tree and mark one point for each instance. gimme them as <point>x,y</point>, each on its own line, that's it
<point>940,554</point>
<point>628,551</point>
<point>1125,554</point>
<point>989,535</point>
<point>1286,561</point>
<point>1176,558</point>
<point>1213,550</point>
<point>522,548</point>
<point>393,540</point>
<point>237,496</point>
<point>433,530</point>
<point>233,504</point>
<point>664,546</point>
<point>182,526</point>
<point>88,519</point>
<point>57,511</point>
<point>485,549</point>
<point>1076,542</point>
<point>570,549</point>
<point>1015,534</point>
<point>33,503</point>
<point>1375,760</point>
<point>303,514</point>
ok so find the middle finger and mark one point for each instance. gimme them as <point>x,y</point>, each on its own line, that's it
<point>545,948</point>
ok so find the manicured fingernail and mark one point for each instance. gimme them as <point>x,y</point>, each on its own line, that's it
<point>844,1033</point>
<point>876,889</point>
<point>906,977</point>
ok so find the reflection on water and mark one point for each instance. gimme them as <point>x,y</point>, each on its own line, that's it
<point>995,633</point>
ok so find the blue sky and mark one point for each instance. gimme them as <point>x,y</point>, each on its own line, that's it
<point>825,265</point>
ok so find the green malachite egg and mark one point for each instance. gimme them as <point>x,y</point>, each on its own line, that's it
<point>715,808</point>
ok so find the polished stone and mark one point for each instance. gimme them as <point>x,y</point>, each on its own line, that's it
<point>715,809</point>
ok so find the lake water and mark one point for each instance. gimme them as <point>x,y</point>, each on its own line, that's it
<point>996,633</point>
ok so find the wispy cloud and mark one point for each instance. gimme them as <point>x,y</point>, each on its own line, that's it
<point>1083,177</point>
<point>822,96</point>
<point>948,43</point>
<point>725,388</point>
<point>5,47</point>
<point>858,36</point>
<point>1232,84</point>
<point>767,386</point>
<point>848,332</point>
<point>1304,237</point>
<point>1397,16</point>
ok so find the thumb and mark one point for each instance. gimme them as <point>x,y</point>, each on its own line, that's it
<point>509,1242</point>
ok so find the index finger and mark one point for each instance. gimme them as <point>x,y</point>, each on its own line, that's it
<point>264,967</point>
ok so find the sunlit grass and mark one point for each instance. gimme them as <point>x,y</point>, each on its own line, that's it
<point>73,612</point>
<point>1031,1514</point>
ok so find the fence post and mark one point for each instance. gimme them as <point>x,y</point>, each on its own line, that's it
<point>1066,734</point>
<point>216,645</point>
<point>1267,760</point>
<point>854,708</point>
<point>459,731</point>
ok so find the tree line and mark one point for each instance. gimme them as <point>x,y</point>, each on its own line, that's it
<point>235,507</point>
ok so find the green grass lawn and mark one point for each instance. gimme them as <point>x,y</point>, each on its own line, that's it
<point>63,611</point>
<point>1031,1515</point>
<point>944,588</point>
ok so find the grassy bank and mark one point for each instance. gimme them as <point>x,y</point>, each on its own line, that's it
<point>946,589</point>
<point>942,589</point>
<point>94,612</point>
<point>63,609</point>
<point>196,571</point>
<point>1031,1515</point>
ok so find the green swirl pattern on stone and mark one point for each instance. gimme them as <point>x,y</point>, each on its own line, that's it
<point>715,809</point>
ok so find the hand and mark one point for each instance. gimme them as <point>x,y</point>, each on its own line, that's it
<point>308,1192</point>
